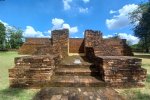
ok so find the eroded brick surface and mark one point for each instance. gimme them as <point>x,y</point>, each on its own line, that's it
<point>122,71</point>
<point>95,45</point>
<point>76,45</point>
<point>32,71</point>
<point>107,62</point>
<point>79,93</point>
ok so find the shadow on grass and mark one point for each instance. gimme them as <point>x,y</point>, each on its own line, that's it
<point>141,96</point>
<point>10,93</point>
<point>46,93</point>
<point>148,78</point>
<point>143,56</point>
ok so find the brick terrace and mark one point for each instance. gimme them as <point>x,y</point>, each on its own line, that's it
<point>107,62</point>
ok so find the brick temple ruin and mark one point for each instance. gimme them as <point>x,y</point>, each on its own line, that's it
<point>103,62</point>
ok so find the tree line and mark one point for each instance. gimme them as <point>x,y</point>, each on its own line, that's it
<point>10,38</point>
<point>140,18</point>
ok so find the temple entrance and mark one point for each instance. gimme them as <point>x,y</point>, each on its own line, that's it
<point>76,46</point>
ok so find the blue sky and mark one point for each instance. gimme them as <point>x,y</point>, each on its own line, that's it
<point>38,17</point>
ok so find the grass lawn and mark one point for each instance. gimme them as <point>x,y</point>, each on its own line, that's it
<point>6,93</point>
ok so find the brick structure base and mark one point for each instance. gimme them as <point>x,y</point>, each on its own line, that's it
<point>110,57</point>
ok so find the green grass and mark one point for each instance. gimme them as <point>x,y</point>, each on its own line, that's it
<point>6,93</point>
<point>139,93</point>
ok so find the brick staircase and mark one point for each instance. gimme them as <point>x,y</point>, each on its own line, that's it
<point>77,76</point>
<point>49,71</point>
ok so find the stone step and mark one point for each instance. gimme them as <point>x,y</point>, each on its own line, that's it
<point>29,72</point>
<point>31,69</point>
<point>76,66</point>
<point>77,71</point>
<point>28,83</point>
<point>32,66</point>
<point>76,81</point>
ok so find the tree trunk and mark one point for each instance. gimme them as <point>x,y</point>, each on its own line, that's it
<point>146,45</point>
<point>147,50</point>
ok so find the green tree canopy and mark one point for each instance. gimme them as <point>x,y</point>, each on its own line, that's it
<point>142,28</point>
<point>15,38</point>
<point>2,36</point>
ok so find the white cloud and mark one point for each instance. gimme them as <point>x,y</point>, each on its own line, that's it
<point>112,12</point>
<point>57,21</point>
<point>67,4</point>
<point>74,29</point>
<point>131,38</point>
<point>49,31</point>
<point>76,37</point>
<point>7,26</point>
<point>121,20</point>
<point>31,32</point>
<point>28,32</point>
<point>59,24</point>
<point>107,36</point>
<point>47,34</point>
<point>117,23</point>
<point>86,1</point>
<point>83,10</point>
<point>71,29</point>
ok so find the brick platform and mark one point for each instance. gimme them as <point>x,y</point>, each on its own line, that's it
<point>31,45</point>
<point>122,71</point>
<point>107,62</point>
<point>32,71</point>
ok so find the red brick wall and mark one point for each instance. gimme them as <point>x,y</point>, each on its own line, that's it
<point>31,44</point>
<point>38,41</point>
<point>95,45</point>
<point>76,45</point>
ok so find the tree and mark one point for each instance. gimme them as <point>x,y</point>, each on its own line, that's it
<point>142,28</point>
<point>2,36</point>
<point>137,47</point>
<point>15,39</point>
